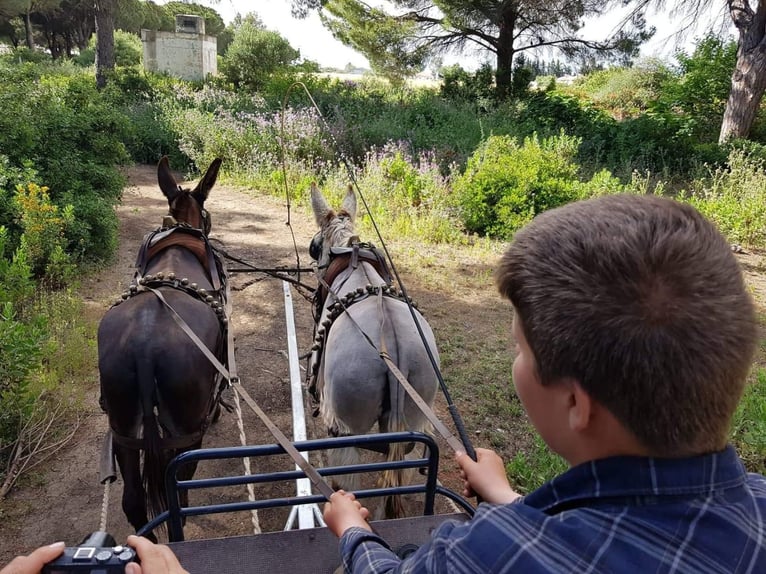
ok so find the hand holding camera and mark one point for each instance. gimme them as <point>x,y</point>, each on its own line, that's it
<point>98,553</point>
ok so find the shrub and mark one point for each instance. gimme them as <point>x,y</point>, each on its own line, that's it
<point>407,195</point>
<point>506,184</point>
<point>732,197</point>
<point>128,50</point>
<point>21,352</point>
<point>42,239</point>
<point>254,55</point>
<point>16,283</point>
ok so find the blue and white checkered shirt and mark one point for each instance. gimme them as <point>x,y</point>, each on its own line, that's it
<point>622,514</point>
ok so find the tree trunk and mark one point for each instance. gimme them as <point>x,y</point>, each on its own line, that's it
<point>104,40</point>
<point>28,30</point>
<point>748,83</point>
<point>504,72</point>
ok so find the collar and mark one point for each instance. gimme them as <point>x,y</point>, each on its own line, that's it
<point>632,476</point>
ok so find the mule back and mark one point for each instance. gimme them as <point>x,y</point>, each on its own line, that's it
<point>355,387</point>
<point>157,387</point>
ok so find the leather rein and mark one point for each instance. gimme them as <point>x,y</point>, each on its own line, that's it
<point>341,259</point>
<point>219,300</point>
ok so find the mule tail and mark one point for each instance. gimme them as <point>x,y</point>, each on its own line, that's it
<point>394,508</point>
<point>153,456</point>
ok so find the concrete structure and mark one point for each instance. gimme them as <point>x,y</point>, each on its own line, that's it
<point>186,53</point>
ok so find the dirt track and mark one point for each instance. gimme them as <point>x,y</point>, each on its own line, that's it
<point>65,504</point>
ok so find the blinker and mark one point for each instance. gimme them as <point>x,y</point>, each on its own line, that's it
<point>315,247</point>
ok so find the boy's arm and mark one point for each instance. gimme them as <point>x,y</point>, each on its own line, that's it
<point>486,477</point>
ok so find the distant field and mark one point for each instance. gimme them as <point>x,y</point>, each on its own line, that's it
<point>417,81</point>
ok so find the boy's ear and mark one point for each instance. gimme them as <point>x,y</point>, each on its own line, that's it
<point>580,407</point>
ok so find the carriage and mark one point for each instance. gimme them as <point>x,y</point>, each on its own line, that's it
<point>181,287</point>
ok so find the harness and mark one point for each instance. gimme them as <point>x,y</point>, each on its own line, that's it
<point>341,259</point>
<point>197,242</point>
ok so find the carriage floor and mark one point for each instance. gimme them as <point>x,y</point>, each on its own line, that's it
<point>313,550</point>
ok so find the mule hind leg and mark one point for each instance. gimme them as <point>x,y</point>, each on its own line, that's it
<point>133,495</point>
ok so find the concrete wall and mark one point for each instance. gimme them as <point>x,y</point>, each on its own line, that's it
<point>184,55</point>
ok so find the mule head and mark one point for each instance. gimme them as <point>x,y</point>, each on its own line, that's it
<point>188,206</point>
<point>336,228</point>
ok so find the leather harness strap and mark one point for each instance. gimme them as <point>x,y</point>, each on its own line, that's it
<point>283,441</point>
<point>453,442</point>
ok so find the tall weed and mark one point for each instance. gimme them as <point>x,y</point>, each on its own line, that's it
<point>733,198</point>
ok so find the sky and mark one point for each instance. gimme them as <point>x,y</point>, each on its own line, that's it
<point>316,43</point>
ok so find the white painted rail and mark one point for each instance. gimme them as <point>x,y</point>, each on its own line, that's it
<point>306,513</point>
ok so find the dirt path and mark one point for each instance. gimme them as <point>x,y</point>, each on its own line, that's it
<point>65,503</point>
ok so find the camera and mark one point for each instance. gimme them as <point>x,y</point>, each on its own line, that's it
<point>98,553</point>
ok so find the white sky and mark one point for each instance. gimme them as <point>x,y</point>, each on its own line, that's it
<point>316,43</point>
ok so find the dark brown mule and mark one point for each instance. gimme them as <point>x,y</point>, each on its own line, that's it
<point>157,387</point>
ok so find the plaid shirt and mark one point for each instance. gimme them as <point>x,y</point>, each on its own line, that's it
<point>622,514</point>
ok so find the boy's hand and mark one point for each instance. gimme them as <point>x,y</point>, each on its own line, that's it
<point>344,511</point>
<point>486,477</point>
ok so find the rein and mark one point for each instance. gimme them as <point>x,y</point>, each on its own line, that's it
<point>218,300</point>
<point>341,306</point>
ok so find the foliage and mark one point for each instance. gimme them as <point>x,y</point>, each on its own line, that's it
<point>255,54</point>
<point>748,432</point>
<point>506,184</point>
<point>42,239</point>
<point>626,92</point>
<point>128,50</point>
<point>16,283</point>
<point>458,84</point>
<point>703,86</point>
<point>21,351</point>
<point>406,194</point>
<point>57,120</point>
<point>400,37</point>
<point>732,197</point>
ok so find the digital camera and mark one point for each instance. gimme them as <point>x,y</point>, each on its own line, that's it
<point>98,553</point>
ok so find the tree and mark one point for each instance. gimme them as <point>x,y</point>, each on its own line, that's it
<point>400,39</point>
<point>748,81</point>
<point>104,40</point>
<point>255,54</point>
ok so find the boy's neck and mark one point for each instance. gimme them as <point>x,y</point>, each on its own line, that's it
<point>606,437</point>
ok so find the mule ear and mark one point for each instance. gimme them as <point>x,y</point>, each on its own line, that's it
<point>208,181</point>
<point>349,202</point>
<point>319,205</point>
<point>166,180</point>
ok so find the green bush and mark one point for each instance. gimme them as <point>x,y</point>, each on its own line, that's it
<point>732,197</point>
<point>255,54</point>
<point>459,84</point>
<point>128,50</point>
<point>21,353</point>
<point>506,184</point>
<point>55,119</point>
<point>16,283</point>
<point>43,235</point>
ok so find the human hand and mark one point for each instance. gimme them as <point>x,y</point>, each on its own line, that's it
<point>343,511</point>
<point>155,558</point>
<point>34,562</point>
<point>485,477</point>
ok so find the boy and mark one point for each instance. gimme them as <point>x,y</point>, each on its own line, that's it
<point>634,336</point>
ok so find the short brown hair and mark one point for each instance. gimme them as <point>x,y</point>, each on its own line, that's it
<point>640,299</point>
